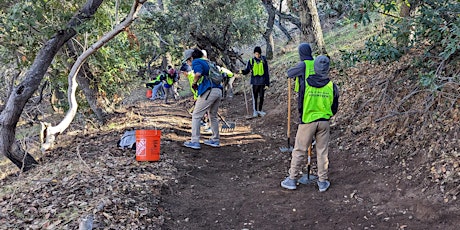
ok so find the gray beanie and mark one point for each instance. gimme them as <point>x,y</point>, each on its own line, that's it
<point>322,66</point>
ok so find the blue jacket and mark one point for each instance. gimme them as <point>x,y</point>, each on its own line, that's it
<point>201,66</point>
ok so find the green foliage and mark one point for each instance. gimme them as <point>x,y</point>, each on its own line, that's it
<point>185,23</point>
<point>24,26</point>
<point>433,26</point>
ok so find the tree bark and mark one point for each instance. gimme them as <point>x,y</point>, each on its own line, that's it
<point>284,30</point>
<point>306,23</point>
<point>51,132</point>
<point>268,36</point>
<point>20,94</point>
<point>84,79</point>
<point>316,26</point>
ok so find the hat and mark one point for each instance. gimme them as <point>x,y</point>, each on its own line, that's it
<point>257,49</point>
<point>187,54</point>
<point>185,68</point>
<point>321,66</point>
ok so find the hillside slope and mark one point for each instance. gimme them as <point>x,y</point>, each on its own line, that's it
<point>394,164</point>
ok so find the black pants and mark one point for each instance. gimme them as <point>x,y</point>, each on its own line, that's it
<point>258,92</point>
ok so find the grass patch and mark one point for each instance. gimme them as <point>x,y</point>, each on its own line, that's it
<point>351,37</point>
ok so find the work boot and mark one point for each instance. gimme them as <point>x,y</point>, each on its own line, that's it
<point>323,185</point>
<point>289,183</point>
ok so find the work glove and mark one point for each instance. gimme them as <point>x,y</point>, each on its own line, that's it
<point>195,86</point>
<point>266,87</point>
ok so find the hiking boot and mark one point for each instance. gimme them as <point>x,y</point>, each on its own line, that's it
<point>193,145</point>
<point>289,183</point>
<point>255,114</point>
<point>212,143</point>
<point>323,185</point>
<point>307,180</point>
<point>261,113</point>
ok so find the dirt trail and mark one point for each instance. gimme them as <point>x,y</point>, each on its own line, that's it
<point>237,186</point>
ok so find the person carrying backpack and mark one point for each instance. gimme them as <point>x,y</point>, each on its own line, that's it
<point>320,101</point>
<point>209,96</point>
<point>260,80</point>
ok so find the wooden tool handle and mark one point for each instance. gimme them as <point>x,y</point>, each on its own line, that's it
<point>289,109</point>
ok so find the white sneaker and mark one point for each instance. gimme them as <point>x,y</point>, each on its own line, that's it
<point>262,113</point>
<point>255,114</point>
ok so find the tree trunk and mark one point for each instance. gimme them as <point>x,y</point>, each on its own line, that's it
<point>284,30</point>
<point>50,133</point>
<point>316,26</point>
<point>306,23</point>
<point>268,4</point>
<point>22,92</point>
<point>84,79</point>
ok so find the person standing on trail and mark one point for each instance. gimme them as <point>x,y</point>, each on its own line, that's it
<point>168,84</point>
<point>320,101</point>
<point>307,69</point>
<point>227,83</point>
<point>260,80</point>
<point>209,96</point>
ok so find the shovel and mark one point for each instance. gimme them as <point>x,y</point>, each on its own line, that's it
<point>308,179</point>
<point>289,148</point>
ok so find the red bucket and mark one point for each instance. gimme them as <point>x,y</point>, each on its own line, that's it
<point>148,145</point>
<point>149,93</point>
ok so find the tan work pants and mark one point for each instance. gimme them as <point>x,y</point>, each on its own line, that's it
<point>208,102</point>
<point>305,133</point>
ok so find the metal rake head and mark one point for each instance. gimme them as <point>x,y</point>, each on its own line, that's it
<point>228,127</point>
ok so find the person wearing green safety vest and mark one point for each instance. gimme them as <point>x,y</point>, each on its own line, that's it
<point>209,97</point>
<point>305,56</point>
<point>260,80</point>
<point>168,84</point>
<point>157,87</point>
<point>227,83</point>
<point>187,71</point>
<point>320,101</point>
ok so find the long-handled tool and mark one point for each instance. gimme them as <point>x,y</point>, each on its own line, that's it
<point>308,179</point>
<point>289,148</point>
<point>245,100</point>
<point>227,126</point>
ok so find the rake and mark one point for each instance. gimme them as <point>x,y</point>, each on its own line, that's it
<point>226,126</point>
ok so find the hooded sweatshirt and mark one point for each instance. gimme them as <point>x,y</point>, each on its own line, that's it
<point>317,80</point>
<point>298,72</point>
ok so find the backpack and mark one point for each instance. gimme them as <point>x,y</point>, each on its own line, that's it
<point>214,73</point>
<point>128,140</point>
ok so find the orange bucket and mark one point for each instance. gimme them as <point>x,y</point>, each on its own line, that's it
<point>148,145</point>
<point>149,93</point>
